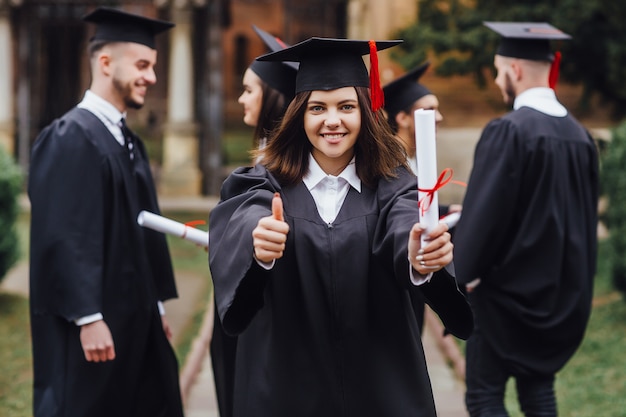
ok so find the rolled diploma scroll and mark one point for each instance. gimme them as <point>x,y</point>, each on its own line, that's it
<point>426,153</point>
<point>165,225</point>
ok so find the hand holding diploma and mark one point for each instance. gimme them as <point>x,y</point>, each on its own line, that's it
<point>168,226</point>
<point>270,235</point>
<point>429,251</point>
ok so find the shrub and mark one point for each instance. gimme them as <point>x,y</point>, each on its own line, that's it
<point>613,187</point>
<point>10,187</point>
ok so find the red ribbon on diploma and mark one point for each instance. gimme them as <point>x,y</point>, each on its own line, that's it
<point>192,223</point>
<point>444,178</point>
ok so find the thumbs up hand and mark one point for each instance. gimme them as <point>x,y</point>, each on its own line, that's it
<point>277,207</point>
<point>270,235</point>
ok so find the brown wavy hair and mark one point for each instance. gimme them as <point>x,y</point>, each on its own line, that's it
<point>377,152</point>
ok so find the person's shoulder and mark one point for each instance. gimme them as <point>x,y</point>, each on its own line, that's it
<point>67,131</point>
<point>403,180</point>
<point>247,178</point>
<point>72,122</point>
<point>249,172</point>
<point>509,122</point>
<point>520,116</point>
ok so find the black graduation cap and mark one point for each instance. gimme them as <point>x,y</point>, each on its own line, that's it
<point>401,93</point>
<point>115,25</point>
<point>278,75</point>
<point>330,63</point>
<point>526,40</point>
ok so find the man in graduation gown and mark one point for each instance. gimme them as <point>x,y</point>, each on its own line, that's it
<point>526,242</point>
<point>100,344</point>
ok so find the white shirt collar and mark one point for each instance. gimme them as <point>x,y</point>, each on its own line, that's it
<point>541,99</point>
<point>100,107</point>
<point>315,174</point>
<point>106,112</point>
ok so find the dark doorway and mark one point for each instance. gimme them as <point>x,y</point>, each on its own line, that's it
<point>62,57</point>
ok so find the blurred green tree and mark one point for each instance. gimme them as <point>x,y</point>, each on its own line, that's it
<point>10,187</point>
<point>613,186</point>
<point>453,33</point>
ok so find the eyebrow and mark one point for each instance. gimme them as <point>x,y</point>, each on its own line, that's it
<point>350,100</point>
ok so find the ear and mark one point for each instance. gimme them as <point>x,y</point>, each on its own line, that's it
<point>517,70</point>
<point>104,61</point>
<point>403,120</point>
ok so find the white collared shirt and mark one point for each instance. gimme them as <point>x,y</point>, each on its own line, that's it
<point>329,191</point>
<point>541,99</point>
<point>107,113</point>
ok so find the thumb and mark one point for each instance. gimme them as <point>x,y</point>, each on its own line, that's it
<point>277,207</point>
<point>417,231</point>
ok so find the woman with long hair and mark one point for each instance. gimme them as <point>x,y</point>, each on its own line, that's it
<point>313,251</point>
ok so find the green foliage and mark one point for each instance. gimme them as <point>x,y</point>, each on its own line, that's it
<point>453,32</point>
<point>15,356</point>
<point>10,187</point>
<point>237,144</point>
<point>613,186</point>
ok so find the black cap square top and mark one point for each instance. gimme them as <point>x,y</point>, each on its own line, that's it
<point>401,93</point>
<point>116,25</point>
<point>329,63</point>
<point>526,40</point>
<point>278,75</point>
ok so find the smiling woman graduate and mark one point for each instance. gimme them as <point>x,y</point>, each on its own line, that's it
<point>315,282</point>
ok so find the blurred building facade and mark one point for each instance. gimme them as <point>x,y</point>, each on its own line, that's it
<point>201,62</point>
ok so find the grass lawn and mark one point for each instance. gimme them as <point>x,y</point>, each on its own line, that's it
<point>15,348</point>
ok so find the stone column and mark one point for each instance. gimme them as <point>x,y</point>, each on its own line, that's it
<point>7,122</point>
<point>371,19</point>
<point>180,175</point>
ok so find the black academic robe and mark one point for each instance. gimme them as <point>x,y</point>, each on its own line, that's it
<point>329,330</point>
<point>528,230</point>
<point>89,255</point>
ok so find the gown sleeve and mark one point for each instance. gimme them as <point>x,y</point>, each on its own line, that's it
<point>398,213</point>
<point>490,200</point>
<point>238,280</point>
<point>66,193</point>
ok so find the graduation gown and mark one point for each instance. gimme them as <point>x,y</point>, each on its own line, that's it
<point>330,329</point>
<point>89,255</point>
<point>528,230</point>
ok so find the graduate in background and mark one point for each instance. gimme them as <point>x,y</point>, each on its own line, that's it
<point>526,243</point>
<point>315,282</point>
<point>97,279</point>
<point>269,87</point>
<point>403,96</point>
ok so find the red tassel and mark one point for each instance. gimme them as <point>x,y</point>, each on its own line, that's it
<point>554,70</point>
<point>376,91</point>
<point>280,42</point>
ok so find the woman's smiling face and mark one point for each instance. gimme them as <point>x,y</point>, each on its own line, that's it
<point>332,122</point>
